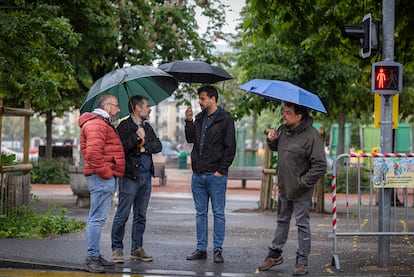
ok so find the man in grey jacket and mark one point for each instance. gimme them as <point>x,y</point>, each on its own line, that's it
<point>301,162</point>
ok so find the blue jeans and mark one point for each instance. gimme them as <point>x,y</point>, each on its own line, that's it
<point>284,215</point>
<point>101,193</point>
<point>204,188</point>
<point>135,194</point>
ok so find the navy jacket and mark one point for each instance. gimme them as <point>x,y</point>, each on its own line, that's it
<point>219,146</point>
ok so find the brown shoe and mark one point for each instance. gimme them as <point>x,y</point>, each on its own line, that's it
<point>270,262</point>
<point>118,256</point>
<point>140,254</point>
<point>300,269</point>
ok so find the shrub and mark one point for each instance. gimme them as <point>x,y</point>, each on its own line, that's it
<point>24,222</point>
<point>352,181</point>
<point>50,172</point>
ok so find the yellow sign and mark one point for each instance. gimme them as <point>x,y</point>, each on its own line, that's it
<point>393,172</point>
<point>377,110</point>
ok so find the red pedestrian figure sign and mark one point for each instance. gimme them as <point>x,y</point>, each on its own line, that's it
<point>387,78</point>
<point>381,78</point>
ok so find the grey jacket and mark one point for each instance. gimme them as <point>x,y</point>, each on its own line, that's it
<point>301,160</point>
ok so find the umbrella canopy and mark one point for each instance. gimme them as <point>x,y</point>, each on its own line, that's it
<point>125,82</point>
<point>195,72</point>
<point>284,92</point>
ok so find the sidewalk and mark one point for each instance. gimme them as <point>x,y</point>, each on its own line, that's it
<point>170,237</point>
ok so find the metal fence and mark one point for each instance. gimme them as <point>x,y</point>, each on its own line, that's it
<point>376,198</point>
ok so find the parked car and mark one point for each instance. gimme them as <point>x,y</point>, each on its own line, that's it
<point>169,151</point>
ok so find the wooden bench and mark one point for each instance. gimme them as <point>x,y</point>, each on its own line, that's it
<point>159,172</point>
<point>244,173</point>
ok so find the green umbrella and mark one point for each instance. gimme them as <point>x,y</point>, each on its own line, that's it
<point>125,82</point>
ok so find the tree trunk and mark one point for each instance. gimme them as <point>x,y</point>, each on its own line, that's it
<point>319,192</point>
<point>48,150</point>
<point>254,135</point>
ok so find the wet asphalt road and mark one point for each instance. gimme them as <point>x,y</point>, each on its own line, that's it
<point>170,237</point>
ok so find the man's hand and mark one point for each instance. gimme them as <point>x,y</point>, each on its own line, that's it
<point>218,174</point>
<point>271,135</point>
<point>140,132</point>
<point>189,114</point>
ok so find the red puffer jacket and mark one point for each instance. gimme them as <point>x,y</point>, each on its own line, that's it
<point>101,147</point>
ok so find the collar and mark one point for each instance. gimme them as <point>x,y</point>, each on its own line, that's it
<point>101,112</point>
<point>136,121</point>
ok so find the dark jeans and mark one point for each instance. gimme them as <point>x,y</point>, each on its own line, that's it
<point>135,194</point>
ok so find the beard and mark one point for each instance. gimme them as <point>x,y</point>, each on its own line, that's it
<point>113,118</point>
<point>144,116</point>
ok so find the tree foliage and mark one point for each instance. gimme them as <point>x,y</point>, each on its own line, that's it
<point>52,51</point>
<point>301,42</point>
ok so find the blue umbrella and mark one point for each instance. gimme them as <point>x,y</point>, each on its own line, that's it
<point>284,92</point>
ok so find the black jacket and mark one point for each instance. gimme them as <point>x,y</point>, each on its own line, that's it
<point>130,141</point>
<point>219,145</point>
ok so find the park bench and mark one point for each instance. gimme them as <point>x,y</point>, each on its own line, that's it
<point>245,173</point>
<point>159,172</point>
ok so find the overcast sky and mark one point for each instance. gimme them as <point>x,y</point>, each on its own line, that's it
<point>232,16</point>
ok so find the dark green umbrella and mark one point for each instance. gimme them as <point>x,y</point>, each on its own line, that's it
<point>148,81</point>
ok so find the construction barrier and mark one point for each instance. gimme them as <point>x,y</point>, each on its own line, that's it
<point>371,205</point>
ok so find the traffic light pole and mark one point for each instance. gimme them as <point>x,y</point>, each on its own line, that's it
<point>384,199</point>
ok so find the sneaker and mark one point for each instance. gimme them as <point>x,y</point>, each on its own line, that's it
<point>197,255</point>
<point>106,263</point>
<point>140,254</point>
<point>300,269</point>
<point>218,257</point>
<point>270,262</point>
<point>118,256</point>
<point>93,265</point>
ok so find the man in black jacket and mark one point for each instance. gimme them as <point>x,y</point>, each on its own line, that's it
<point>140,142</point>
<point>214,146</point>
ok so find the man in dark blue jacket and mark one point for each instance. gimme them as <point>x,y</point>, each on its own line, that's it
<point>214,146</point>
<point>140,142</point>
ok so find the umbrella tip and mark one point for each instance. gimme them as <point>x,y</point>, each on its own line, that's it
<point>253,88</point>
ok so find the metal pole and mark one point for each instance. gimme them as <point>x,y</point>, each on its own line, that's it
<point>388,16</point>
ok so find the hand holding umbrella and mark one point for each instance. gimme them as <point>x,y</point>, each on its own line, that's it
<point>271,135</point>
<point>189,114</point>
<point>141,134</point>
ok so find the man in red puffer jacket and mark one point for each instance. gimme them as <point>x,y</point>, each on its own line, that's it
<point>104,162</point>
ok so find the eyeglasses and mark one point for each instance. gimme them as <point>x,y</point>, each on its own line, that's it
<point>114,105</point>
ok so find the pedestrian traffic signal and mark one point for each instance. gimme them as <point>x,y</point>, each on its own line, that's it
<point>367,33</point>
<point>386,77</point>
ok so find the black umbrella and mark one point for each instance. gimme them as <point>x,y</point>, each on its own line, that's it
<point>195,72</point>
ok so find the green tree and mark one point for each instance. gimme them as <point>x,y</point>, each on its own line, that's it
<point>61,48</point>
<point>34,46</point>
<point>301,42</point>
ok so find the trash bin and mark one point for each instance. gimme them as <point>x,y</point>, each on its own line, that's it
<point>250,157</point>
<point>182,160</point>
